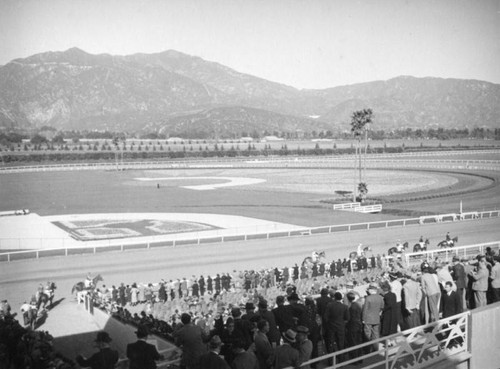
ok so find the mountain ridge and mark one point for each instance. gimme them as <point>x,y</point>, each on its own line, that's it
<point>73,89</point>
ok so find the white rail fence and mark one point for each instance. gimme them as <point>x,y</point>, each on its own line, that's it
<point>447,254</point>
<point>373,161</point>
<point>62,250</point>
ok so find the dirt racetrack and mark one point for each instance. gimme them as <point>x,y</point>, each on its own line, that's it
<point>104,192</point>
<point>19,278</point>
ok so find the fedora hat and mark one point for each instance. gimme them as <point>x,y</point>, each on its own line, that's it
<point>103,337</point>
<point>215,342</point>
<point>289,335</point>
<point>302,329</point>
<point>249,306</point>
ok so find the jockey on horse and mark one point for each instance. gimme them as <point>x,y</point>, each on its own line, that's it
<point>89,281</point>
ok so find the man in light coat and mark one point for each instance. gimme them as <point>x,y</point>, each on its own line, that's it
<point>370,315</point>
<point>432,292</point>
<point>480,284</point>
<point>412,300</point>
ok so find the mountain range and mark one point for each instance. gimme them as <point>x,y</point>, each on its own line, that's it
<point>176,93</point>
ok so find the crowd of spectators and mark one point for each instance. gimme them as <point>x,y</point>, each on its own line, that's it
<point>311,310</point>
<point>338,305</point>
<point>22,348</point>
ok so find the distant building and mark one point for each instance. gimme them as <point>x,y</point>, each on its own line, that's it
<point>271,138</point>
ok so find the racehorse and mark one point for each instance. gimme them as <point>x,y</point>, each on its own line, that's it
<point>448,243</point>
<point>356,254</point>
<point>315,258</point>
<point>80,286</point>
<point>46,296</point>
<point>421,246</point>
<point>398,249</point>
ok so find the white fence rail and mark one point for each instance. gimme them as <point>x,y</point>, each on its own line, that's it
<point>348,205</point>
<point>447,254</point>
<point>200,239</point>
<point>335,161</point>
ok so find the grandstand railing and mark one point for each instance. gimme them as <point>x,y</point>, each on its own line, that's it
<point>246,234</point>
<point>447,254</point>
<point>423,346</point>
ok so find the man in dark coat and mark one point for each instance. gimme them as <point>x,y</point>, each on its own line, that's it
<point>201,283</point>
<point>297,309</point>
<point>106,358</point>
<point>210,287</point>
<point>190,338</point>
<point>451,303</point>
<point>242,327</point>
<point>142,355</point>
<point>273,334</point>
<point>460,278</point>
<point>336,317</point>
<point>212,359</point>
<point>282,315</point>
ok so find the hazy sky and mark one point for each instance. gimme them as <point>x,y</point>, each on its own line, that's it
<point>302,43</point>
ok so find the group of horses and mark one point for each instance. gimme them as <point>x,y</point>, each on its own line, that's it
<point>40,303</point>
<point>395,251</point>
<point>421,246</point>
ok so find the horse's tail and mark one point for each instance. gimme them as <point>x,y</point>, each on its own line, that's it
<point>73,289</point>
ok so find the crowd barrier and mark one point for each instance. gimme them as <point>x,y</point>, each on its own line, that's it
<point>447,254</point>
<point>200,238</point>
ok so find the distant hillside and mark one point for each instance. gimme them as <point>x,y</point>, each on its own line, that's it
<point>175,92</point>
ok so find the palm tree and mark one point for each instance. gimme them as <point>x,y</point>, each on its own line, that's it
<point>359,121</point>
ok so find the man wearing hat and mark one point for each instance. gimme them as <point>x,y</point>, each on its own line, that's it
<point>250,311</point>
<point>106,358</point>
<point>370,315</point>
<point>273,335</point>
<point>460,278</point>
<point>142,355</point>
<point>298,310</point>
<point>304,345</point>
<point>283,316</point>
<point>285,355</point>
<point>336,317</point>
<point>212,359</point>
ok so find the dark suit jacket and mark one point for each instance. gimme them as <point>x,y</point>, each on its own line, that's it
<point>450,305</point>
<point>142,355</point>
<point>211,360</point>
<point>284,318</point>
<point>459,275</point>
<point>104,359</point>
<point>336,316</point>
